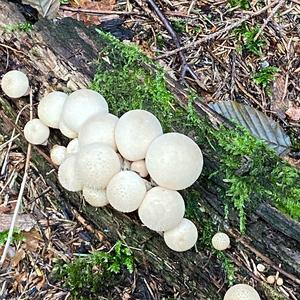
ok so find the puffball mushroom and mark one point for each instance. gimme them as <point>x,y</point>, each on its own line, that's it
<point>58,154</point>
<point>220,241</point>
<point>36,132</point>
<point>126,191</point>
<point>50,108</point>
<point>15,84</point>
<point>73,146</point>
<point>174,161</point>
<point>134,133</point>
<point>97,163</point>
<point>66,131</point>
<point>161,209</point>
<point>183,237</point>
<point>139,167</point>
<point>80,106</point>
<point>99,129</point>
<point>68,176</point>
<point>95,197</point>
<point>241,292</point>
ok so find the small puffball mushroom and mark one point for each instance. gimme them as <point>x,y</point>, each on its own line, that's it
<point>36,132</point>
<point>15,84</point>
<point>66,131</point>
<point>73,146</point>
<point>80,106</point>
<point>58,154</point>
<point>97,164</point>
<point>220,241</point>
<point>271,279</point>
<point>161,209</point>
<point>139,167</point>
<point>50,108</point>
<point>68,176</point>
<point>279,281</point>
<point>183,237</point>
<point>99,129</point>
<point>260,268</point>
<point>241,292</point>
<point>126,191</point>
<point>174,161</point>
<point>95,197</point>
<point>134,133</point>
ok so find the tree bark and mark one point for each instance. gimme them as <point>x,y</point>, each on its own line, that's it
<point>63,53</point>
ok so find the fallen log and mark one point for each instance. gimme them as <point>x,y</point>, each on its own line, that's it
<point>67,55</point>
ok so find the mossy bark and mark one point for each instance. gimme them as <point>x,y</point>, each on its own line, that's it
<point>63,55</point>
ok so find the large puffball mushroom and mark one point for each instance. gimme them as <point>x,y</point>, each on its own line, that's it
<point>241,292</point>
<point>95,197</point>
<point>68,176</point>
<point>139,167</point>
<point>80,106</point>
<point>15,84</point>
<point>97,164</point>
<point>99,129</point>
<point>50,108</point>
<point>58,154</point>
<point>73,147</point>
<point>174,161</point>
<point>161,209</point>
<point>126,191</point>
<point>220,241</point>
<point>134,132</point>
<point>36,132</point>
<point>66,131</point>
<point>183,237</point>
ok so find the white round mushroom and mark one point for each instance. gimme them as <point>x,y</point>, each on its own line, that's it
<point>220,241</point>
<point>68,176</point>
<point>73,146</point>
<point>174,161</point>
<point>95,197</point>
<point>36,132</point>
<point>97,164</point>
<point>183,237</point>
<point>126,191</point>
<point>139,167</point>
<point>15,84</point>
<point>99,129</point>
<point>80,106</point>
<point>241,292</point>
<point>134,133</point>
<point>58,154</point>
<point>66,131</point>
<point>161,209</point>
<point>50,108</point>
<point>271,279</point>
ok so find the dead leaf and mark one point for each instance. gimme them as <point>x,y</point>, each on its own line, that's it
<point>24,222</point>
<point>278,102</point>
<point>46,8</point>
<point>32,240</point>
<point>18,257</point>
<point>293,113</point>
<point>293,161</point>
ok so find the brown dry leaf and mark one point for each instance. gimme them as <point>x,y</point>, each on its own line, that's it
<point>293,161</point>
<point>18,257</point>
<point>278,104</point>
<point>24,222</point>
<point>32,240</point>
<point>293,113</point>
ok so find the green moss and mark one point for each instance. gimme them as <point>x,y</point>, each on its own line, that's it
<point>265,76</point>
<point>25,27</point>
<point>17,236</point>
<point>249,168</point>
<point>228,267</point>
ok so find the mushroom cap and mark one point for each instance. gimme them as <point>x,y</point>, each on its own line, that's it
<point>36,132</point>
<point>126,191</point>
<point>68,175</point>
<point>15,84</point>
<point>97,164</point>
<point>80,106</point>
<point>73,146</point>
<point>58,154</point>
<point>220,241</point>
<point>174,161</point>
<point>183,237</point>
<point>50,108</point>
<point>134,133</point>
<point>139,167</point>
<point>66,131</point>
<point>161,209</point>
<point>271,279</point>
<point>95,197</point>
<point>241,292</point>
<point>99,129</point>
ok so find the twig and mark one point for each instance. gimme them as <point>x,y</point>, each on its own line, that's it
<point>273,12</point>
<point>217,33</point>
<point>20,196</point>
<point>98,12</point>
